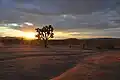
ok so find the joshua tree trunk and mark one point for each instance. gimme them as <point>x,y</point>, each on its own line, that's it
<point>45,43</point>
<point>84,46</point>
<point>70,45</point>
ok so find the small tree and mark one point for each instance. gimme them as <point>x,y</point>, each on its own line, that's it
<point>45,33</point>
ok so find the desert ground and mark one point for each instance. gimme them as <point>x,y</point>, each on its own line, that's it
<point>103,66</point>
<point>25,62</point>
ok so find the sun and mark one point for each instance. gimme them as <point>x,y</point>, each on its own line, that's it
<point>29,35</point>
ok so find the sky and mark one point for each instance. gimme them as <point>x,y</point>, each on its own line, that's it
<point>70,18</point>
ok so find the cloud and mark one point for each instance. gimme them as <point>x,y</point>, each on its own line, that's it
<point>5,31</point>
<point>65,15</point>
<point>96,20</point>
<point>65,6</point>
<point>60,6</point>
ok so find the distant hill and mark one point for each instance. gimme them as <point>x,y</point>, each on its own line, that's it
<point>88,43</point>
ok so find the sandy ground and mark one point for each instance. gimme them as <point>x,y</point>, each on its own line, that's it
<point>103,66</point>
<point>22,62</point>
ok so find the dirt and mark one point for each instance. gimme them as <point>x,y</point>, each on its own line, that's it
<point>22,62</point>
<point>103,66</point>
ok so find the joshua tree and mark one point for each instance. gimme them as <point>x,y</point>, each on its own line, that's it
<point>45,33</point>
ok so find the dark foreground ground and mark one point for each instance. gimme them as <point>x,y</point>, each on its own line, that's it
<point>103,66</point>
<point>37,63</point>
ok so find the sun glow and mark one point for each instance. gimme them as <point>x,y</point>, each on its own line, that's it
<point>29,35</point>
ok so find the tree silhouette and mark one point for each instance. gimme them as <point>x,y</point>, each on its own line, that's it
<point>45,33</point>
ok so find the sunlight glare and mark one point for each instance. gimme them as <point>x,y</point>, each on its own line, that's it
<point>29,35</point>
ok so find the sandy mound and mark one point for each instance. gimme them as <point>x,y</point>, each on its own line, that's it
<point>105,66</point>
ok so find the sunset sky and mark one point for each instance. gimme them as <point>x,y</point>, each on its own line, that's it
<point>70,18</point>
